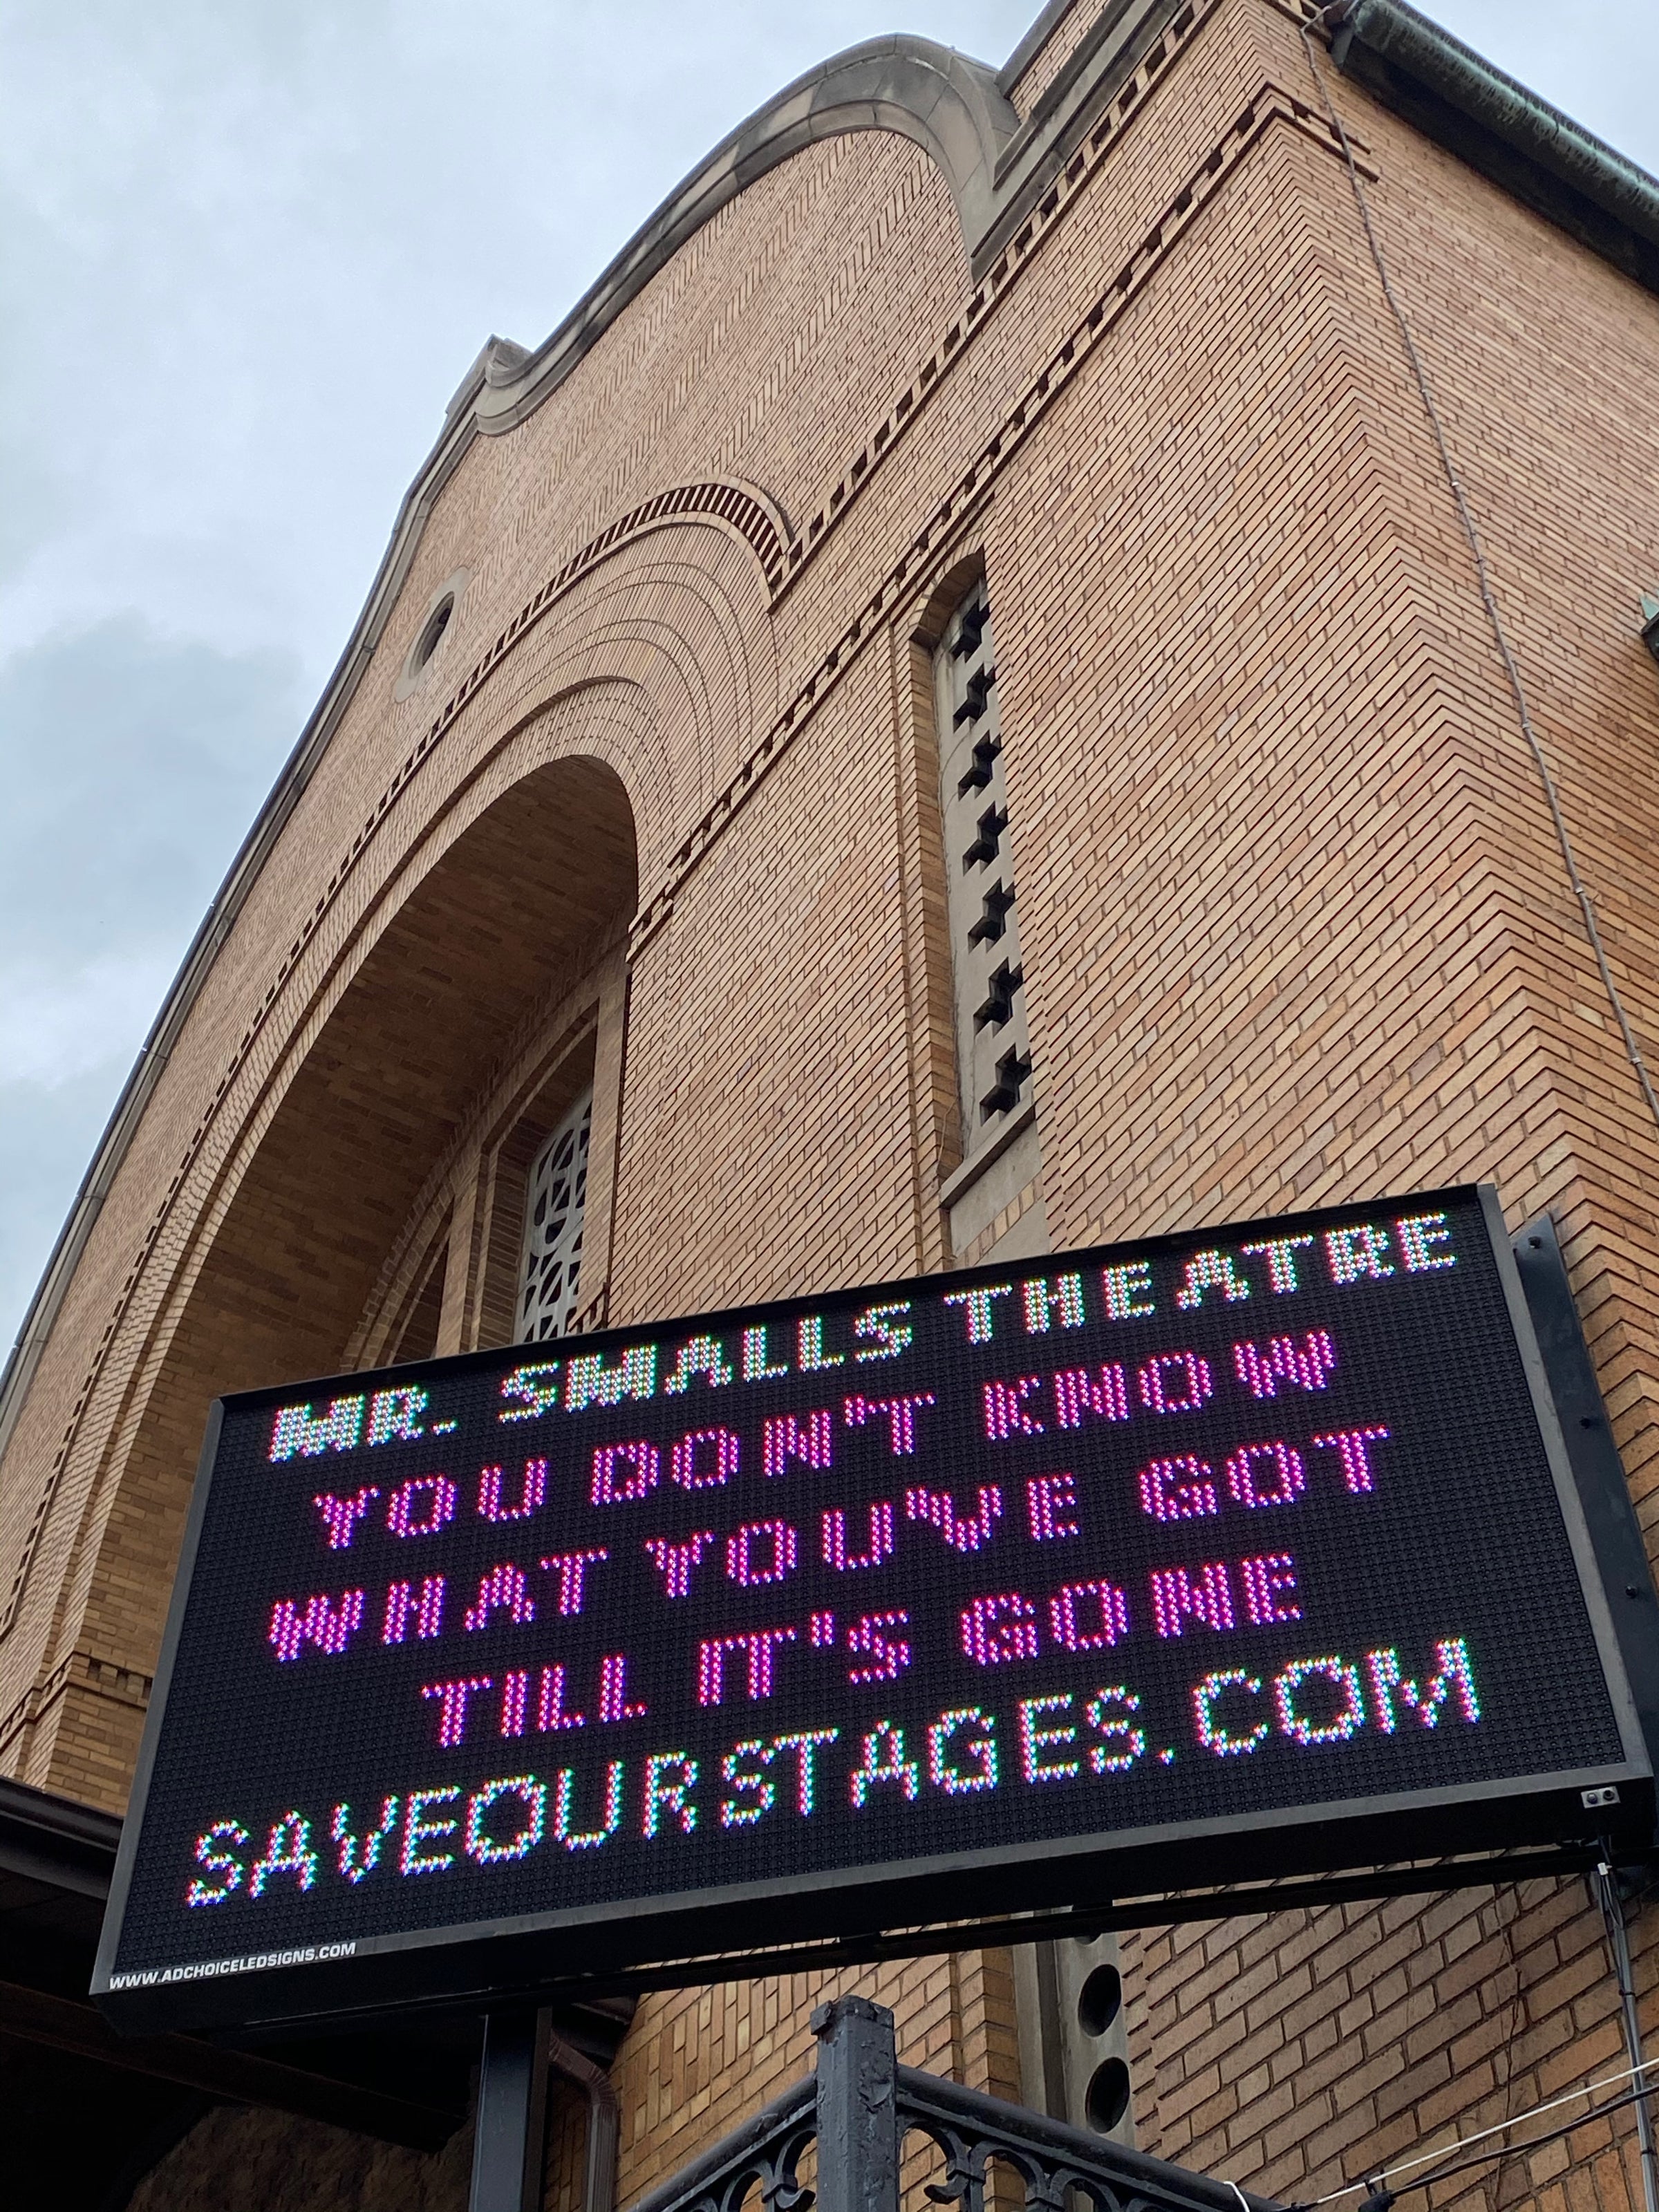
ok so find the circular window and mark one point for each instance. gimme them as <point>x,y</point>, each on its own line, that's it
<point>1100,2000</point>
<point>1107,2097</point>
<point>436,625</point>
<point>429,639</point>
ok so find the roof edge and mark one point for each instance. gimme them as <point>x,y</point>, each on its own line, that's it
<point>56,1840</point>
<point>1517,140</point>
<point>941,99</point>
<point>1037,36</point>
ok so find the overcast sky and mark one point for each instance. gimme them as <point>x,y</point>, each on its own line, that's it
<point>247,250</point>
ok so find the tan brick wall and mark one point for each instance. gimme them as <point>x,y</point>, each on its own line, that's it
<point>1295,924</point>
<point>1065,36</point>
<point>1294,2051</point>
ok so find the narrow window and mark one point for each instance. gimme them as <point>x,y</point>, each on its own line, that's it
<point>549,1265</point>
<point>993,1054</point>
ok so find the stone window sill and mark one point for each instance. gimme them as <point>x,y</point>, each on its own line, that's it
<point>964,1177</point>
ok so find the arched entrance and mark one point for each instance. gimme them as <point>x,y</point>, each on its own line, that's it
<point>528,893</point>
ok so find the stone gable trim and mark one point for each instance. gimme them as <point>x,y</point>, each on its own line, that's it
<point>1022,240</point>
<point>499,366</point>
<point>736,508</point>
<point>782,553</point>
<point>945,102</point>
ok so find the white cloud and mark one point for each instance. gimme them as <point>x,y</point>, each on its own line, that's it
<point>131,765</point>
<point>58,1023</point>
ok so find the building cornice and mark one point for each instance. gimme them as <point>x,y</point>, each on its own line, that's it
<point>1539,155</point>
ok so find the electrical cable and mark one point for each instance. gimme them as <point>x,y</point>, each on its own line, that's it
<point>1385,2197</point>
<point>1613,1915</point>
<point>1334,12</point>
<point>1482,2134</point>
<point>1519,2008</point>
<point>1380,2196</point>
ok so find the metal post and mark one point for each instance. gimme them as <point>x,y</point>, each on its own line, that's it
<point>1051,2032</point>
<point>858,2107</point>
<point>509,2133</point>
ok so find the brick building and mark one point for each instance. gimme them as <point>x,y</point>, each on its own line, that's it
<point>948,711</point>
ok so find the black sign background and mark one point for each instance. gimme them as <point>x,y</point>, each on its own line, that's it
<point>1200,1536</point>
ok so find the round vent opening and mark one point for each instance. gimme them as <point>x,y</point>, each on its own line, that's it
<point>430,638</point>
<point>1100,2000</point>
<point>1107,2098</point>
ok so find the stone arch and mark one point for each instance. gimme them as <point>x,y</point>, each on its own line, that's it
<point>659,659</point>
<point>552,1055</point>
<point>681,615</point>
<point>928,619</point>
<point>534,878</point>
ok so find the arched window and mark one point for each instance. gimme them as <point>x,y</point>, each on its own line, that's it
<point>550,1259</point>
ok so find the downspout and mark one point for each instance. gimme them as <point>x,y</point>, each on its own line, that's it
<point>603,2123</point>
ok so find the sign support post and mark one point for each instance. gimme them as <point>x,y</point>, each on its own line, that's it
<point>512,2115</point>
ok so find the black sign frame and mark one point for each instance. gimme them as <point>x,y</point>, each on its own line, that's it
<point>487,1962</point>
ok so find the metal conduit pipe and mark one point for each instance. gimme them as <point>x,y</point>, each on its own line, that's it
<point>1613,1915</point>
<point>604,2121</point>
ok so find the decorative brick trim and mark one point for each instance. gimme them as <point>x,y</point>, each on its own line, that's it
<point>81,1670</point>
<point>729,506</point>
<point>1015,258</point>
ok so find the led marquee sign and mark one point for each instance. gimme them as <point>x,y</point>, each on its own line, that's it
<point>1242,1553</point>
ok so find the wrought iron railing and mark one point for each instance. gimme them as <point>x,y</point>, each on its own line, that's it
<point>860,2107</point>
